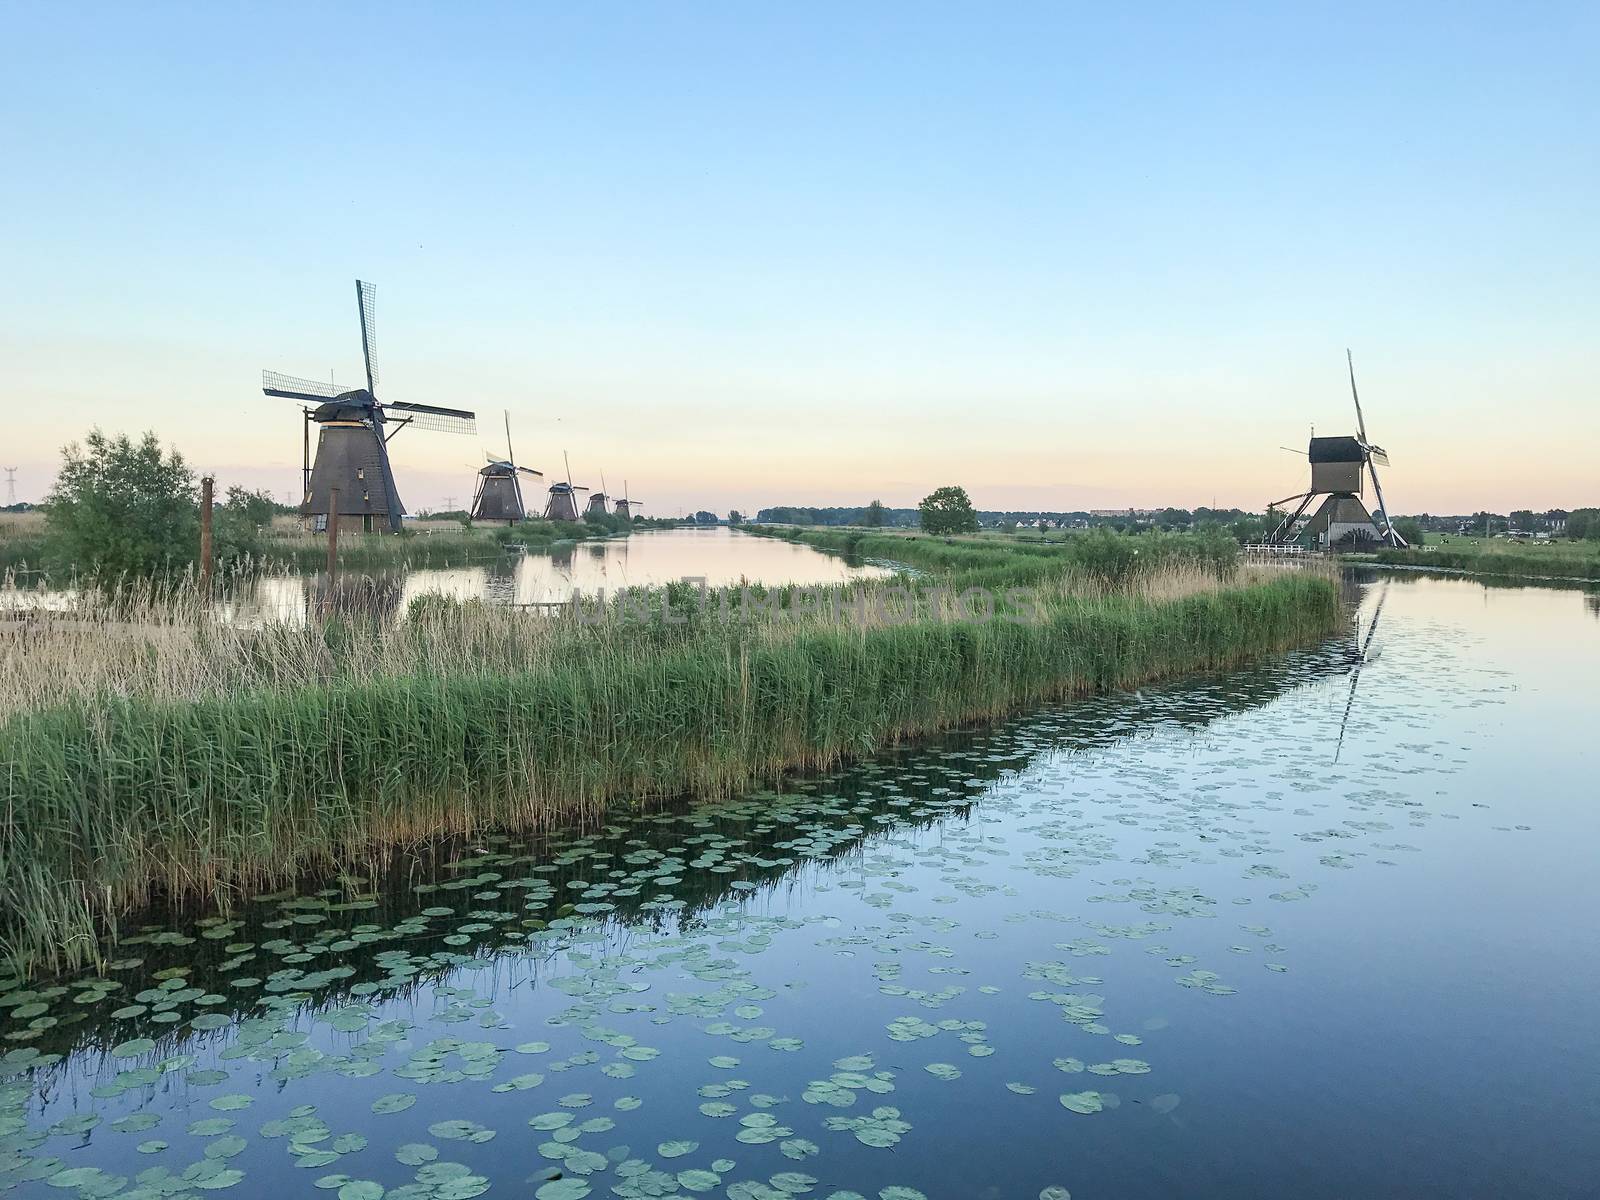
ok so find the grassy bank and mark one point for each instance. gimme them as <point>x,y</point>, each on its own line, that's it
<point>1100,555</point>
<point>1554,559</point>
<point>157,754</point>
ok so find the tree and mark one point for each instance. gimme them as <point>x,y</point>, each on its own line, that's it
<point>254,509</point>
<point>875,515</point>
<point>735,517</point>
<point>705,518</point>
<point>1584,523</point>
<point>1411,529</point>
<point>120,506</point>
<point>947,510</point>
<point>238,524</point>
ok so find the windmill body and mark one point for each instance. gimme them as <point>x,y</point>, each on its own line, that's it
<point>626,506</point>
<point>1338,472</point>
<point>563,502</point>
<point>1340,469</point>
<point>598,505</point>
<point>354,429</point>
<point>499,493</point>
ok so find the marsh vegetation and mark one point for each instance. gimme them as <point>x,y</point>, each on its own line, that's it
<point>151,750</point>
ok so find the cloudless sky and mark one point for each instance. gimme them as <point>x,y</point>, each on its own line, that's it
<point>1064,255</point>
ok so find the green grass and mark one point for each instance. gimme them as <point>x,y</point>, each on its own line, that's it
<point>994,562</point>
<point>211,758</point>
<point>1556,558</point>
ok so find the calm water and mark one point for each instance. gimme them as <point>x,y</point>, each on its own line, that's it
<point>649,559</point>
<point>1181,942</point>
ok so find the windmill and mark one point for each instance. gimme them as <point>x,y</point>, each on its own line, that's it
<point>499,494</point>
<point>598,501</point>
<point>625,506</point>
<point>1339,469</point>
<point>563,502</point>
<point>353,442</point>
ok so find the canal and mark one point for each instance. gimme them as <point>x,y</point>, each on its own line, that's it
<point>1319,928</point>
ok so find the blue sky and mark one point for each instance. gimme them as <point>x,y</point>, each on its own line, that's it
<point>817,253</point>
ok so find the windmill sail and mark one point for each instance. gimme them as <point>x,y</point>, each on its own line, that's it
<point>366,301</point>
<point>1374,454</point>
<point>275,383</point>
<point>439,420</point>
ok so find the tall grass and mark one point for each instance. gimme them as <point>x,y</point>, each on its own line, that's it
<point>148,751</point>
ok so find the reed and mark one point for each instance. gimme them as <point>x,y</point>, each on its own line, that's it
<point>148,750</point>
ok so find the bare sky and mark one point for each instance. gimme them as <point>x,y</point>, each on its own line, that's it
<point>818,254</point>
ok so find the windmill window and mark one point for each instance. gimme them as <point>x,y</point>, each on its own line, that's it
<point>365,495</point>
<point>361,472</point>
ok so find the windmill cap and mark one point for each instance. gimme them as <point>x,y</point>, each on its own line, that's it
<point>1336,449</point>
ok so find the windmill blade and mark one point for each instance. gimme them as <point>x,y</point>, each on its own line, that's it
<point>1391,535</point>
<point>274,383</point>
<point>1378,455</point>
<point>511,456</point>
<point>1361,424</point>
<point>440,420</point>
<point>366,302</point>
<point>531,471</point>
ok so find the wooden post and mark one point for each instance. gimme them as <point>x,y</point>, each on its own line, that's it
<point>333,536</point>
<point>206,484</point>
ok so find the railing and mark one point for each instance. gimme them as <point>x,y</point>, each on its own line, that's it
<point>1274,550</point>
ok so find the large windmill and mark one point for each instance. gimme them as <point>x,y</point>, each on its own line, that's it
<point>353,443</point>
<point>1339,469</point>
<point>563,502</point>
<point>625,505</point>
<point>499,494</point>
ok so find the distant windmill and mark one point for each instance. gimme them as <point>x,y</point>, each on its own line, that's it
<point>563,502</point>
<point>1339,467</point>
<point>11,485</point>
<point>599,500</point>
<point>353,447</point>
<point>625,505</point>
<point>499,495</point>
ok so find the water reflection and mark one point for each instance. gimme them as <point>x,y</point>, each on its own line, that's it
<point>1151,944</point>
<point>648,559</point>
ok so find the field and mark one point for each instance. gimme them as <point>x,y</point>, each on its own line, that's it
<point>151,753</point>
